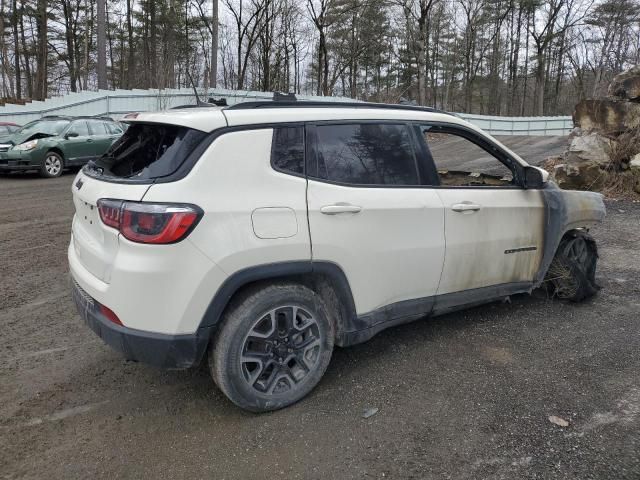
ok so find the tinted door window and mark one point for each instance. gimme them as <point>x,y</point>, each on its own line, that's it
<point>80,128</point>
<point>287,150</point>
<point>366,154</point>
<point>113,129</point>
<point>97,127</point>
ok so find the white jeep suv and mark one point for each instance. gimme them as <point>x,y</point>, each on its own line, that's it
<point>259,236</point>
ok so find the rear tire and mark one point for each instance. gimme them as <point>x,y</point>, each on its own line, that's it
<point>572,272</point>
<point>273,348</point>
<point>52,165</point>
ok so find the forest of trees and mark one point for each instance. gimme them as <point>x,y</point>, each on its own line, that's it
<point>502,57</point>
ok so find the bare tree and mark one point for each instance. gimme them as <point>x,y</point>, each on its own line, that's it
<point>101,43</point>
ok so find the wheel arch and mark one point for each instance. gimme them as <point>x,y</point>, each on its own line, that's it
<point>325,278</point>
<point>55,149</point>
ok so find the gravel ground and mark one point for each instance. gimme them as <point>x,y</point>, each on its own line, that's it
<point>463,396</point>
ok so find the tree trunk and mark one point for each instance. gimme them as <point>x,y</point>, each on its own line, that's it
<point>101,33</point>
<point>110,43</point>
<point>153,46</point>
<point>68,21</point>
<point>131,58</point>
<point>25,53</point>
<point>322,51</point>
<point>40,92</point>
<point>213,75</point>
<point>538,107</point>
<point>16,46</point>
<point>421,59</point>
<point>87,40</point>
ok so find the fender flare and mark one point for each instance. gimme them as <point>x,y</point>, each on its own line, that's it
<point>306,269</point>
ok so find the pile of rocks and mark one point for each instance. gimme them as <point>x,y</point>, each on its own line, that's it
<point>604,146</point>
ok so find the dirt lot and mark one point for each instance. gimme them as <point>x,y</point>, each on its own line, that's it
<point>464,396</point>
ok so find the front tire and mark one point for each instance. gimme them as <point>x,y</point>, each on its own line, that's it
<point>273,348</point>
<point>52,165</point>
<point>572,272</point>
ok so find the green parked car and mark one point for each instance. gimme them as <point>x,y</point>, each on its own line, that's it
<point>53,143</point>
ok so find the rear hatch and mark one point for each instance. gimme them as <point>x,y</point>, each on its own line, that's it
<point>94,243</point>
<point>157,147</point>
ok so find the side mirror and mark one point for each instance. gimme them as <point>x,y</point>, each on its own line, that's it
<point>71,135</point>
<point>534,177</point>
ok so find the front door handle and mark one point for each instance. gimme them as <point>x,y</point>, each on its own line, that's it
<point>340,208</point>
<point>465,207</point>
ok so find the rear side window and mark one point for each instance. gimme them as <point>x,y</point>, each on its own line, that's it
<point>148,151</point>
<point>287,149</point>
<point>366,154</point>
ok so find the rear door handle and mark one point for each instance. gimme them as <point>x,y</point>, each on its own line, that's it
<point>465,207</point>
<point>340,208</point>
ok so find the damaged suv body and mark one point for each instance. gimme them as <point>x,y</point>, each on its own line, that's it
<point>259,236</point>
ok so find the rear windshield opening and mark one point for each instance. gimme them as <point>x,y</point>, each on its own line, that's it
<point>147,151</point>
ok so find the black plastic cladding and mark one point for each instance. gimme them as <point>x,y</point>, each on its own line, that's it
<point>276,271</point>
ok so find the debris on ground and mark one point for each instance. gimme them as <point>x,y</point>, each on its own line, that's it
<point>561,422</point>
<point>369,412</point>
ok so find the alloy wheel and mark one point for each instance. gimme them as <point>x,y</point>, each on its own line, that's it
<point>53,165</point>
<point>280,350</point>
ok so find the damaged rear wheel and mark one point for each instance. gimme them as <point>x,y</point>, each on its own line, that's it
<point>571,275</point>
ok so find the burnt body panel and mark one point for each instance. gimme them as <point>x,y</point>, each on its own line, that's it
<point>566,210</point>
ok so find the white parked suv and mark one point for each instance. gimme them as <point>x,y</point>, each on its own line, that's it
<point>259,236</point>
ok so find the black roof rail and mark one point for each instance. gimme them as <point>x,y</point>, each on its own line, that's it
<point>218,102</point>
<point>199,105</point>
<point>211,102</point>
<point>76,117</point>
<point>319,104</point>
<point>284,97</point>
<point>180,107</point>
<point>92,117</point>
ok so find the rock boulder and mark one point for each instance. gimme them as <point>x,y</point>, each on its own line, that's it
<point>592,148</point>
<point>579,175</point>
<point>609,117</point>
<point>626,85</point>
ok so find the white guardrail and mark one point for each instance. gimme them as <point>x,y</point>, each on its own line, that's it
<point>117,103</point>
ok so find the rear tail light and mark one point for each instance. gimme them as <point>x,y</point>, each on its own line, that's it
<point>158,223</point>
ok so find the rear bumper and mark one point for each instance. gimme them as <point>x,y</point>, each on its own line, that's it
<point>160,350</point>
